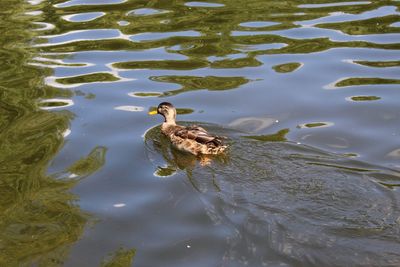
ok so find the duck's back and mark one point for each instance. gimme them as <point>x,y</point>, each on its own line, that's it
<point>194,139</point>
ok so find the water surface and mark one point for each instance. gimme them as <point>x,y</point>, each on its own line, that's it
<point>306,92</point>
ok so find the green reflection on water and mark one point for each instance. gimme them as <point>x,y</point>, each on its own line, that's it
<point>88,78</point>
<point>120,258</point>
<point>39,217</point>
<point>191,83</point>
<point>144,94</point>
<point>90,164</point>
<point>280,136</point>
<point>378,25</point>
<point>379,64</point>
<point>165,64</point>
<point>183,111</point>
<point>315,125</point>
<point>52,104</point>
<point>199,33</point>
<point>287,67</point>
<point>365,98</point>
<point>365,81</point>
<point>212,28</point>
<point>236,63</point>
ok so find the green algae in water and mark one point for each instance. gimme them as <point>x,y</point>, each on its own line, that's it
<point>287,67</point>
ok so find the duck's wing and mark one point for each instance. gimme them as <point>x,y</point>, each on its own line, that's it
<point>198,134</point>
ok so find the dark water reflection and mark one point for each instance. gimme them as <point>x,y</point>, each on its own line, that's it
<point>310,90</point>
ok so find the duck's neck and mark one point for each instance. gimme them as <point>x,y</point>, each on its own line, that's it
<point>170,118</point>
<point>167,126</point>
<point>169,121</point>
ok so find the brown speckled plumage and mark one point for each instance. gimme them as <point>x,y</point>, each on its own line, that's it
<point>193,139</point>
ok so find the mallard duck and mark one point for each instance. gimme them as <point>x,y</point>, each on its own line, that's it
<point>193,139</point>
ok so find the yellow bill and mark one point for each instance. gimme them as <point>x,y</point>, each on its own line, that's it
<point>154,112</point>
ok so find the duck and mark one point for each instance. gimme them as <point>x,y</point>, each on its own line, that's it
<point>193,139</point>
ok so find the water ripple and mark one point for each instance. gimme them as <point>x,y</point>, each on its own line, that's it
<point>88,2</point>
<point>79,35</point>
<point>83,17</point>
<point>146,12</point>
<point>152,36</point>
<point>260,67</point>
<point>203,4</point>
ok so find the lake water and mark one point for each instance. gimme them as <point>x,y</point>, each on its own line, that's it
<point>307,92</point>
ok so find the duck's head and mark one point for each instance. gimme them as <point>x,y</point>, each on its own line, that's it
<point>167,110</point>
